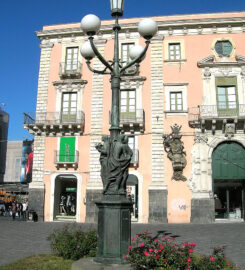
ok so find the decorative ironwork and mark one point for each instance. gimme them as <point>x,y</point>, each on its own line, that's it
<point>175,152</point>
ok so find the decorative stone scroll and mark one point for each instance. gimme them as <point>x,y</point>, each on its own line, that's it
<point>175,152</point>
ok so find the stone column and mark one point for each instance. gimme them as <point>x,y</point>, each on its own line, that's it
<point>36,187</point>
<point>202,202</point>
<point>157,189</point>
<point>94,187</point>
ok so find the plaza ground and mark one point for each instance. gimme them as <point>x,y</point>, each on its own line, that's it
<point>20,239</point>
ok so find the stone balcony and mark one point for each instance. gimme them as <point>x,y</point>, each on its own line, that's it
<point>132,122</point>
<point>66,161</point>
<point>210,117</point>
<point>55,123</point>
<point>71,73</point>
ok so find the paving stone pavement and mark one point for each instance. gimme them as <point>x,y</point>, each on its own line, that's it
<point>20,239</point>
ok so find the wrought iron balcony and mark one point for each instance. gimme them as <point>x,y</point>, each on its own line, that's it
<point>53,123</point>
<point>132,121</point>
<point>135,158</point>
<point>66,160</point>
<point>71,72</point>
<point>206,116</point>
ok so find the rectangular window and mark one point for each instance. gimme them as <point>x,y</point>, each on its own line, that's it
<point>131,144</point>
<point>174,51</point>
<point>125,52</point>
<point>67,149</point>
<point>128,102</point>
<point>69,106</point>
<point>226,96</point>
<point>71,59</point>
<point>176,101</point>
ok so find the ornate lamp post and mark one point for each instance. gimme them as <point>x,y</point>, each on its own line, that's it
<point>114,220</point>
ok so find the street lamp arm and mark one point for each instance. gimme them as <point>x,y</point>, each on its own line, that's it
<point>96,71</point>
<point>137,59</point>
<point>97,53</point>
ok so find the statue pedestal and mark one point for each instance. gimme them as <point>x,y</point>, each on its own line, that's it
<point>114,229</point>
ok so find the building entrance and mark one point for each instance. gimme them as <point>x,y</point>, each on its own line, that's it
<point>132,191</point>
<point>228,170</point>
<point>65,197</point>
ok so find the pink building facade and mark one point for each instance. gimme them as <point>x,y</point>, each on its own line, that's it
<point>193,75</point>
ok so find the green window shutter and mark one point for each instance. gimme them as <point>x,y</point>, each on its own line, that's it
<point>128,103</point>
<point>71,59</point>
<point>67,149</point>
<point>176,101</point>
<point>69,107</point>
<point>227,100</point>
<point>174,51</point>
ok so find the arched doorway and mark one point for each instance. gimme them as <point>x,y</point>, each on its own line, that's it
<point>228,172</point>
<point>132,190</point>
<point>65,197</point>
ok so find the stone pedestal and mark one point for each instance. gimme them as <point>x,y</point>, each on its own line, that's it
<point>202,211</point>
<point>36,202</point>
<point>158,206</point>
<point>92,195</point>
<point>114,229</point>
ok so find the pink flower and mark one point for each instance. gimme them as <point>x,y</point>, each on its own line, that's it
<point>136,235</point>
<point>164,261</point>
<point>193,244</point>
<point>189,260</point>
<point>148,235</point>
<point>161,247</point>
<point>125,257</point>
<point>146,253</point>
<point>142,245</point>
<point>132,239</point>
<point>157,257</point>
<point>211,258</point>
<point>166,238</point>
<point>190,250</point>
<point>155,250</point>
<point>145,231</point>
<point>150,249</point>
<point>156,240</point>
<point>173,239</point>
<point>130,248</point>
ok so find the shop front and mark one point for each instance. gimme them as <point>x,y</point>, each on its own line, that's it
<point>228,170</point>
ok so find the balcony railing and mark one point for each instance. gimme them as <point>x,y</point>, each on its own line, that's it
<point>132,121</point>
<point>53,122</point>
<point>73,71</point>
<point>210,112</point>
<point>66,160</point>
<point>54,118</point>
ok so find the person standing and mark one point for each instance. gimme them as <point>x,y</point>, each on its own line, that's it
<point>13,210</point>
<point>24,208</point>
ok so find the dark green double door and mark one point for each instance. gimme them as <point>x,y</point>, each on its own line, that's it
<point>228,170</point>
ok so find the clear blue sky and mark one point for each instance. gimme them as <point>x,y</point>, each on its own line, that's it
<point>20,53</point>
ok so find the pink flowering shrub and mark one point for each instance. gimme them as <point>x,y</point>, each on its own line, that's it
<point>147,252</point>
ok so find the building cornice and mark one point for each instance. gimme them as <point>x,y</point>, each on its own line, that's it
<point>209,62</point>
<point>69,82</point>
<point>168,25</point>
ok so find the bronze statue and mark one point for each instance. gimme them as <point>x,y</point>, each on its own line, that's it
<point>175,152</point>
<point>115,157</point>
